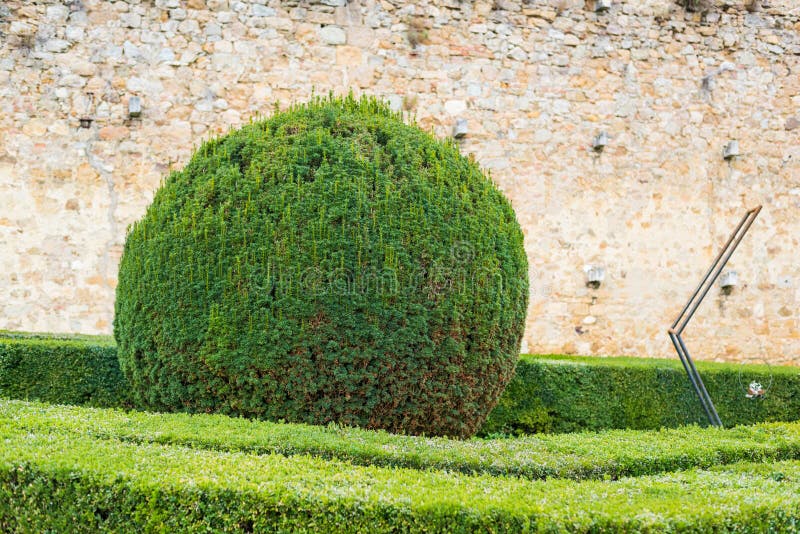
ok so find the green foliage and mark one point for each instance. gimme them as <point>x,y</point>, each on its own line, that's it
<point>549,394</point>
<point>569,394</point>
<point>86,338</point>
<point>605,455</point>
<point>80,370</point>
<point>330,263</point>
<point>53,482</point>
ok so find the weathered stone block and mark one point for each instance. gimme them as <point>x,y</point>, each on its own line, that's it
<point>348,55</point>
<point>332,35</point>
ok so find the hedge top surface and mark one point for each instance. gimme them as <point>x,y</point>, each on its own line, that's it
<point>159,486</point>
<point>662,363</point>
<point>588,455</point>
<point>55,340</point>
<point>329,263</point>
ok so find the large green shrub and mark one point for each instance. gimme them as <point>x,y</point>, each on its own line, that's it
<point>330,263</point>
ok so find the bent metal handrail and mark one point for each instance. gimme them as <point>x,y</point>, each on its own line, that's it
<point>691,307</point>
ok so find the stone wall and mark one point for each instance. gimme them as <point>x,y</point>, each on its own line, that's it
<point>536,81</point>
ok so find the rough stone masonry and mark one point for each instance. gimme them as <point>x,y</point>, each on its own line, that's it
<point>536,81</point>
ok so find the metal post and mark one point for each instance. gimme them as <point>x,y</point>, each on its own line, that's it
<point>688,311</point>
<point>697,390</point>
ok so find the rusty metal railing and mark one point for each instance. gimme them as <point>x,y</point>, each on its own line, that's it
<point>697,297</point>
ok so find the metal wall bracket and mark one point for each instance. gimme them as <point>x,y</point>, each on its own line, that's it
<point>688,312</point>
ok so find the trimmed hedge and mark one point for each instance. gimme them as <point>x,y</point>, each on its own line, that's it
<point>549,394</point>
<point>329,263</point>
<point>61,369</point>
<point>87,338</point>
<point>611,454</point>
<point>569,394</point>
<point>71,483</point>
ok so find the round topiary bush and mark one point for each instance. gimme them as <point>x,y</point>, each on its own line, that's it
<point>330,263</point>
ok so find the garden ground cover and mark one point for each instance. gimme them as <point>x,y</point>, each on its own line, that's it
<point>81,469</point>
<point>65,481</point>
<point>589,455</point>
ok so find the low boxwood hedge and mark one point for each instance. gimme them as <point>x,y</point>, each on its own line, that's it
<point>589,455</point>
<point>549,394</point>
<point>51,482</point>
<point>570,393</point>
<point>61,369</point>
